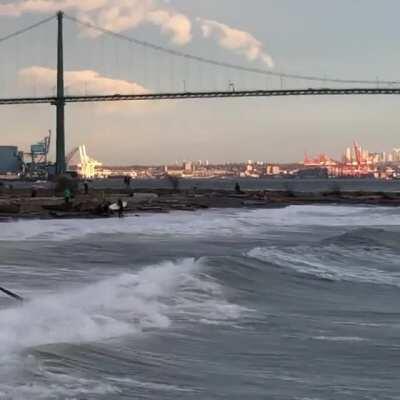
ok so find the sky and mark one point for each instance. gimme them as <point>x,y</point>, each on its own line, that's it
<point>349,39</point>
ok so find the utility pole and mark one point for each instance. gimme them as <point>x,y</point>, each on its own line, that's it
<point>60,100</point>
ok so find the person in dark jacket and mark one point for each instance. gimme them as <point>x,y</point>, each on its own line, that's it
<point>120,208</point>
<point>67,196</point>
<point>238,189</point>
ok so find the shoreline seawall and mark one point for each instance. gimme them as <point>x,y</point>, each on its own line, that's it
<point>18,203</point>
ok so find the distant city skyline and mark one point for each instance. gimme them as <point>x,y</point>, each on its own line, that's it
<point>348,154</point>
<point>277,35</point>
<point>355,162</point>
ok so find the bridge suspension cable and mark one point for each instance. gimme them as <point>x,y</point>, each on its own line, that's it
<point>27,29</point>
<point>237,67</point>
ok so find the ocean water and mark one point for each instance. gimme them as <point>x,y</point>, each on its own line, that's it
<point>311,185</point>
<point>293,184</point>
<point>294,303</point>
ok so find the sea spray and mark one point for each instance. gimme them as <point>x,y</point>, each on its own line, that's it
<point>118,306</point>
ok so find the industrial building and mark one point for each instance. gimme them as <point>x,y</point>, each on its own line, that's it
<point>11,160</point>
<point>39,166</point>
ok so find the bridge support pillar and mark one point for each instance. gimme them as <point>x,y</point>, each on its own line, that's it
<point>60,101</point>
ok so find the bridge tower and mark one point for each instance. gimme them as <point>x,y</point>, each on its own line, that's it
<point>60,100</point>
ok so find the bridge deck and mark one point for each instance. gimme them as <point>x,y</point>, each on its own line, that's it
<point>204,95</point>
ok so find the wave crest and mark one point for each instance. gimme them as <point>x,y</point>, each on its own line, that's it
<point>123,305</point>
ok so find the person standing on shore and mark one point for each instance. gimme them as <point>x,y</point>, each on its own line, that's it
<point>127,181</point>
<point>67,196</point>
<point>86,188</point>
<point>238,189</point>
<point>120,208</point>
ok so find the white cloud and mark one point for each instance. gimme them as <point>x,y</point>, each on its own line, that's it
<point>86,82</point>
<point>79,82</point>
<point>17,8</point>
<point>240,42</point>
<point>176,25</point>
<point>116,15</point>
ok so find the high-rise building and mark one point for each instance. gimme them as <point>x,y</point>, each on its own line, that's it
<point>273,170</point>
<point>396,154</point>
<point>188,166</point>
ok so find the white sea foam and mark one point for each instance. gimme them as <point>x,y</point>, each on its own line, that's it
<point>58,389</point>
<point>54,391</point>
<point>114,307</point>
<point>124,305</point>
<point>225,223</point>
<point>340,338</point>
<point>322,215</point>
<point>192,224</point>
<point>162,387</point>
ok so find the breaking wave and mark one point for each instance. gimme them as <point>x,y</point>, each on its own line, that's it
<point>127,305</point>
<point>123,305</point>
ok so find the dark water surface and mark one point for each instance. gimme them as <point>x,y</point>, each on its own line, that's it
<point>296,185</point>
<point>295,303</point>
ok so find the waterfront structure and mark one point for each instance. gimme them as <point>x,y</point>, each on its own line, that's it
<point>349,155</point>
<point>313,173</point>
<point>355,162</point>
<point>359,162</point>
<point>39,165</point>
<point>87,166</point>
<point>273,169</point>
<point>10,160</point>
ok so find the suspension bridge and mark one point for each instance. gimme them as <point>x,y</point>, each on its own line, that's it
<point>59,99</point>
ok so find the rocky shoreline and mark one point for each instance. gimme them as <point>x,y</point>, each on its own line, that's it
<point>16,204</point>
